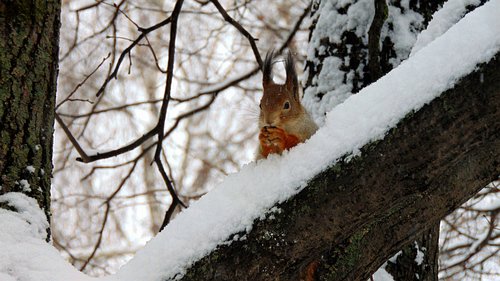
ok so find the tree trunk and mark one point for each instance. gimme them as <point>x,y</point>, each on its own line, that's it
<point>355,215</point>
<point>29,39</point>
<point>365,57</point>
<point>418,260</point>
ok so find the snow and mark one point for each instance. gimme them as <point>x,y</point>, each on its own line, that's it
<point>25,255</point>
<point>395,257</point>
<point>244,197</point>
<point>367,116</point>
<point>442,20</point>
<point>382,275</point>
<point>419,258</point>
<point>27,210</point>
<point>332,25</point>
<point>25,185</point>
<point>401,27</point>
<point>405,24</point>
<point>30,169</point>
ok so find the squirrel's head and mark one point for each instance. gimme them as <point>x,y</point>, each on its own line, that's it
<point>280,103</point>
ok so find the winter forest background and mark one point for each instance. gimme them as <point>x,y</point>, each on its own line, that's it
<point>113,69</point>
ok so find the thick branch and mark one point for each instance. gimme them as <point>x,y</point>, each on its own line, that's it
<point>355,215</point>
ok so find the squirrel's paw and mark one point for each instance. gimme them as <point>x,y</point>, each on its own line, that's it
<point>272,140</point>
<point>272,136</point>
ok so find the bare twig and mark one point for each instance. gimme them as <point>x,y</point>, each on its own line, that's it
<point>241,29</point>
<point>209,91</point>
<point>120,150</point>
<point>81,83</point>
<point>110,23</point>
<point>107,203</point>
<point>99,239</point>
<point>72,139</point>
<point>478,245</point>
<point>116,108</point>
<point>164,107</point>
<point>144,32</point>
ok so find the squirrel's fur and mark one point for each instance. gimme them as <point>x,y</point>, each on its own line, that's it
<point>283,121</point>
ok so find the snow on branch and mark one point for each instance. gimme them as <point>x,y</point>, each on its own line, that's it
<point>244,197</point>
<point>233,206</point>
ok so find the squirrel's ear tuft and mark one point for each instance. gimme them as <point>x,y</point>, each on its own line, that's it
<point>292,83</point>
<point>267,69</point>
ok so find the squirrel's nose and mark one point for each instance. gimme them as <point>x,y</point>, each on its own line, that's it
<point>269,123</point>
<point>270,119</point>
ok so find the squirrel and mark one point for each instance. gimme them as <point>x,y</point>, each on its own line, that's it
<point>283,121</point>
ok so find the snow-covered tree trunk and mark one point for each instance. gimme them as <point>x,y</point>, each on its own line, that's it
<point>342,59</point>
<point>361,211</point>
<point>353,43</point>
<point>29,38</point>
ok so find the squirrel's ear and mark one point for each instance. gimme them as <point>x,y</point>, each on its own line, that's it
<point>267,69</point>
<point>292,83</point>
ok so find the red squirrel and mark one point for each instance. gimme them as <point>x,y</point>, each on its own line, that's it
<point>283,121</point>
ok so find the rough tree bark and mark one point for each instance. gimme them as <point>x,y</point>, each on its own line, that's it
<point>29,45</point>
<point>368,56</point>
<point>354,216</point>
<point>418,260</point>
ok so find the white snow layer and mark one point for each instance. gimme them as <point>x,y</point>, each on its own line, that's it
<point>333,81</point>
<point>331,24</point>
<point>382,275</point>
<point>24,254</point>
<point>405,26</point>
<point>243,197</point>
<point>442,20</point>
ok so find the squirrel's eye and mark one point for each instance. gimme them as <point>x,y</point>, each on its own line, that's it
<point>286,105</point>
<point>260,105</point>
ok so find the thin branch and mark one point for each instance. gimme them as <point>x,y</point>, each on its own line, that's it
<point>144,32</point>
<point>241,29</point>
<point>99,239</point>
<point>164,106</point>
<point>110,23</point>
<point>213,90</point>
<point>175,199</point>
<point>107,203</point>
<point>83,156</point>
<point>476,246</point>
<point>116,108</point>
<point>120,150</point>
<point>81,83</point>
<point>295,28</point>
<point>170,71</point>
